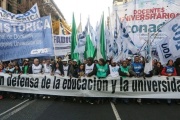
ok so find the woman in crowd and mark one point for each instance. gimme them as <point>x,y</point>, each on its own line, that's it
<point>169,70</point>
<point>81,71</point>
<point>17,70</point>
<point>157,69</point>
<point>10,68</point>
<point>56,70</point>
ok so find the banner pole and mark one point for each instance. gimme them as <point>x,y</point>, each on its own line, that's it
<point>53,38</point>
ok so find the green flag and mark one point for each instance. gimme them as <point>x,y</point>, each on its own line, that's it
<point>89,48</point>
<point>102,39</point>
<point>74,40</point>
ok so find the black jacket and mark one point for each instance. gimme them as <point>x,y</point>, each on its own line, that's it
<point>73,71</point>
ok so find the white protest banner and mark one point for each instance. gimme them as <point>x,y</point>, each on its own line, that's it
<point>62,44</point>
<point>173,32</point>
<point>28,16</point>
<point>164,51</point>
<point>153,87</point>
<point>147,16</point>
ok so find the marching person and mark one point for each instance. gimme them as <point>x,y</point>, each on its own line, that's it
<point>17,70</point>
<point>36,68</point>
<point>124,72</point>
<point>47,67</point>
<point>26,66</point>
<point>169,70</point>
<point>137,70</point>
<point>102,72</point>
<point>65,66</point>
<point>47,70</point>
<point>113,72</point>
<point>113,69</point>
<point>25,70</point>
<point>56,70</point>
<point>102,69</point>
<point>157,69</point>
<point>10,68</point>
<point>90,67</point>
<point>59,61</point>
<point>73,69</point>
<point>81,71</point>
<point>90,70</point>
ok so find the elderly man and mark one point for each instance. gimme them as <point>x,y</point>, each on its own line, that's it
<point>36,68</point>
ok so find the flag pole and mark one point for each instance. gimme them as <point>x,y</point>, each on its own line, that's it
<point>53,38</point>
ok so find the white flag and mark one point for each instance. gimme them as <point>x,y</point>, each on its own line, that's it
<point>164,51</point>
<point>172,30</point>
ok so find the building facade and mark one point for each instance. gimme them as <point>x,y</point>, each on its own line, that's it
<point>46,7</point>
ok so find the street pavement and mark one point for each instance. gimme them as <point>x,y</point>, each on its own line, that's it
<point>53,109</point>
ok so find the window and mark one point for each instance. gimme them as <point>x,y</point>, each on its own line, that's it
<point>9,7</point>
<point>19,1</point>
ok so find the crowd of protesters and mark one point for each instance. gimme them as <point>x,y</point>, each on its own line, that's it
<point>64,67</point>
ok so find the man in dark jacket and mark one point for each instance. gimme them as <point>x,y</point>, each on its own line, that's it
<point>60,65</point>
<point>73,69</point>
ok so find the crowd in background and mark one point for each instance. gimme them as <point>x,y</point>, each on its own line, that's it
<point>89,67</point>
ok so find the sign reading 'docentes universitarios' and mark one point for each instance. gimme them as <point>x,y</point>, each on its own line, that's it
<point>153,87</point>
<point>26,39</point>
<point>144,18</point>
<point>28,16</point>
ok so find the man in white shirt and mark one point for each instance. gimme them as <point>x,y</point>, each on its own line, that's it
<point>47,67</point>
<point>65,66</point>
<point>114,72</point>
<point>90,68</point>
<point>113,69</point>
<point>36,68</point>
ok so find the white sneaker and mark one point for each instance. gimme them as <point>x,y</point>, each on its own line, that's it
<point>44,97</point>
